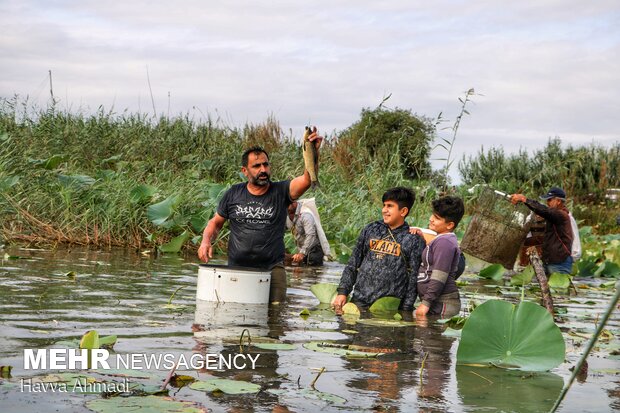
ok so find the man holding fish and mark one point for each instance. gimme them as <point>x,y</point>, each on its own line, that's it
<point>257,211</point>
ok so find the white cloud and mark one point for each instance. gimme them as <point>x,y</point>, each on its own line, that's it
<point>546,68</point>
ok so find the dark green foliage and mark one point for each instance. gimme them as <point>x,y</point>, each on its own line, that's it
<point>386,133</point>
<point>584,172</point>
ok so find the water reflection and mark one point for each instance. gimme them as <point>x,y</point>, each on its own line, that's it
<point>134,297</point>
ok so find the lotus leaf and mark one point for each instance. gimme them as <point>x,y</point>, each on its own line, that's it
<point>180,380</point>
<point>376,322</point>
<point>5,371</point>
<point>493,272</point>
<point>350,308</point>
<point>560,281</point>
<point>8,182</point>
<point>275,346</point>
<point>138,374</point>
<point>522,278</point>
<point>142,193</point>
<point>160,212</point>
<point>502,334</point>
<point>77,181</point>
<point>608,269</point>
<point>144,404</point>
<point>325,292</point>
<point>107,341</point>
<point>385,304</point>
<point>175,243</point>
<point>50,163</point>
<point>90,340</point>
<point>341,349</point>
<point>225,386</point>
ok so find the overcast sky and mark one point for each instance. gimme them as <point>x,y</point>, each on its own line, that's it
<point>544,68</point>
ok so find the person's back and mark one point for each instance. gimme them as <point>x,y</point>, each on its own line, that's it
<point>305,233</point>
<point>386,257</point>
<point>439,269</point>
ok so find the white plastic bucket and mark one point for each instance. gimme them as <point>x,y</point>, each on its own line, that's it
<point>222,284</point>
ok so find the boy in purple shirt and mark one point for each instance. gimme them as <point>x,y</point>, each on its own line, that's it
<point>439,269</point>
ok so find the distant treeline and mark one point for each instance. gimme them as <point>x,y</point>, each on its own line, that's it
<point>128,179</point>
<point>585,172</point>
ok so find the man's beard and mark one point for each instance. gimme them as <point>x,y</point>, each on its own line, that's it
<point>262,179</point>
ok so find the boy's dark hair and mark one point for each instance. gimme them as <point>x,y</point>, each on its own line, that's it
<point>404,197</point>
<point>254,149</point>
<point>450,208</point>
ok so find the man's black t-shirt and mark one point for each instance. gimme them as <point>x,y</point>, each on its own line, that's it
<point>257,224</point>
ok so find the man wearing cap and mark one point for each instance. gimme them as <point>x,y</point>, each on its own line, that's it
<point>558,237</point>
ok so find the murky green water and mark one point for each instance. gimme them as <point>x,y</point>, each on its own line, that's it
<point>124,294</point>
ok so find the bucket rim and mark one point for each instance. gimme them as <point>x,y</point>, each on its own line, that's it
<point>234,267</point>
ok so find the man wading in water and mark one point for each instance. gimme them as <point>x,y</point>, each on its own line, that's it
<point>257,212</point>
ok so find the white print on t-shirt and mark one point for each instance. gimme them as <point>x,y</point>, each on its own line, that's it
<point>253,212</point>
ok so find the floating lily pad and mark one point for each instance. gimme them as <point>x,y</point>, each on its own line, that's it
<point>146,404</point>
<point>378,322</point>
<point>275,346</point>
<point>225,386</point>
<point>90,340</point>
<point>325,292</point>
<point>351,309</point>
<point>493,272</point>
<point>451,332</point>
<point>107,341</point>
<point>5,371</point>
<point>456,322</point>
<point>385,304</point>
<point>523,278</point>
<point>137,374</point>
<point>502,334</point>
<point>560,281</point>
<point>180,380</point>
<point>339,349</point>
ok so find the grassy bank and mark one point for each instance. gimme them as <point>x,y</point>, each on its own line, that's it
<point>107,179</point>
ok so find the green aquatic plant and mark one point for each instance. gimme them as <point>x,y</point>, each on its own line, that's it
<point>225,386</point>
<point>522,278</point>
<point>502,334</point>
<point>559,281</point>
<point>144,404</point>
<point>493,272</point>
<point>325,292</point>
<point>385,304</point>
<point>176,243</point>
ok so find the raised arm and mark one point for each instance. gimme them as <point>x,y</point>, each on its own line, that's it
<point>215,224</point>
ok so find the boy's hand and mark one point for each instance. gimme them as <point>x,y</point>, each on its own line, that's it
<point>338,302</point>
<point>421,311</point>
<point>416,231</point>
